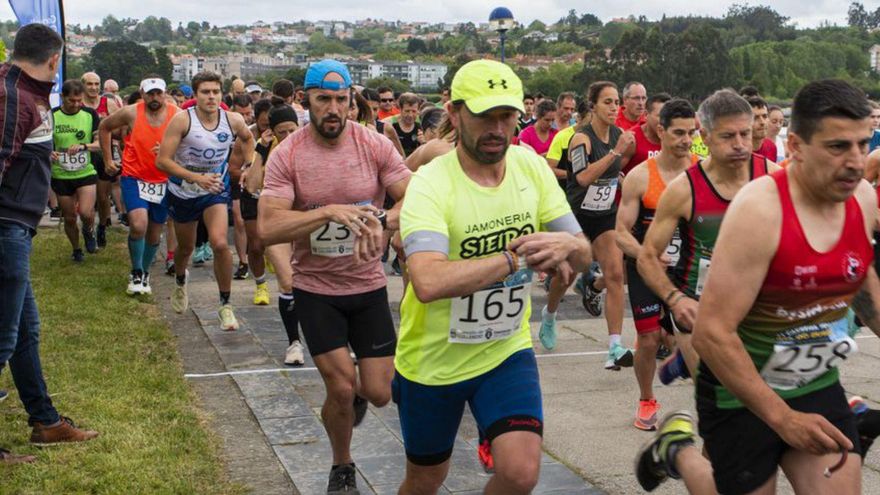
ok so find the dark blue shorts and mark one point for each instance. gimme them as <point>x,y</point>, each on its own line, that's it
<point>507,398</point>
<point>156,212</point>
<point>190,210</point>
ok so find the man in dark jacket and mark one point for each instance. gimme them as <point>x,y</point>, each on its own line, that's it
<point>25,148</point>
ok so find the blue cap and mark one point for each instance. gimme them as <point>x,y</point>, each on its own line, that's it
<point>186,90</point>
<point>318,71</point>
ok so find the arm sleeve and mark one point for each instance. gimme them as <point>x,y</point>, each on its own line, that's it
<point>422,220</point>
<point>278,181</point>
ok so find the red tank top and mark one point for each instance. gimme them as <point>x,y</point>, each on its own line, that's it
<point>644,149</point>
<point>699,234</point>
<point>138,157</point>
<point>102,109</point>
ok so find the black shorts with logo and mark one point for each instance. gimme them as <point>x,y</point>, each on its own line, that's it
<point>248,205</point>
<point>68,187</point>
<point>362,321</point>
<point>744,451</point>
<point>594,226</point>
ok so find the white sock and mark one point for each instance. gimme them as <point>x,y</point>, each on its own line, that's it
<point>613,339</point>
<point>545,313</point>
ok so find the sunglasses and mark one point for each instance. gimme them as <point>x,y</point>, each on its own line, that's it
<point>386,100</point>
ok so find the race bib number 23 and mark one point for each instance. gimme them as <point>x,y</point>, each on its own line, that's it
<point>333,240</point>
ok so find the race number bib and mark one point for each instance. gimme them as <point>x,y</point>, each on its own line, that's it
<point>600,195</point>
<point>702,274</point>
<point>794,364</point>
<point>673,250</point>
<point>74,162</point>
<point>493,313</point>
<point>116,153</point>
<point>333,240</point>
<point>192,187</point>
<point>151,193</point>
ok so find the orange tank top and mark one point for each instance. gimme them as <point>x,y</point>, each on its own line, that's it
<point>138,158</point>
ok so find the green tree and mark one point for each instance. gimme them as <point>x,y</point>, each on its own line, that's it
<point>164,66</point>
<point>125,61</point>
<point>296,75</point>
<point>858,17</point>
<point>398,85</point>
<point>415,46</point>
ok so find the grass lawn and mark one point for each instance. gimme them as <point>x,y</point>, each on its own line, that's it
<point>111,364</point>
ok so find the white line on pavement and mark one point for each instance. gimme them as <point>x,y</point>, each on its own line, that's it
<point>278,370</point>
<point>244,372</point>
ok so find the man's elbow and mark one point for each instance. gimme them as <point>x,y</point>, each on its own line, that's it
<point>424,287</point>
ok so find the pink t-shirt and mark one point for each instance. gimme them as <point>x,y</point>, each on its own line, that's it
<point>313,174</point>
<point>529,135</point>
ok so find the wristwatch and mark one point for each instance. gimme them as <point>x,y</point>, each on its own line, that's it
<point>383,217</point>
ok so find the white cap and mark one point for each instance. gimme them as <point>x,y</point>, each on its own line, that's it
<point>152,83</point>
<point>253,88</point>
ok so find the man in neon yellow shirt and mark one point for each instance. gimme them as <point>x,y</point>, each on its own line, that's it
<point>476,223</point>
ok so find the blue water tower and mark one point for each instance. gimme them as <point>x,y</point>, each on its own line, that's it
<point>501,20</point>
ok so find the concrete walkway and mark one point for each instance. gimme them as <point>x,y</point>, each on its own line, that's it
<point>274,442</point>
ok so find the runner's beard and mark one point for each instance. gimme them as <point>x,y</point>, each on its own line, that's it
<point>154,105</point>
<point>324,132</point>
<point>473,148</point>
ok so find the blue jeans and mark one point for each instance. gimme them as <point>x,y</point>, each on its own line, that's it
<point>20,324</point>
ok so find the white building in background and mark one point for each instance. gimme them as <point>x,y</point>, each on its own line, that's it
<point>874,53</point>
<point>421,76</point>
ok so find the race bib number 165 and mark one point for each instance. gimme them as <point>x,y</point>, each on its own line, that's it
<point>493,313</point>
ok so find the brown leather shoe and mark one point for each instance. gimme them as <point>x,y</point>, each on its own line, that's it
<point>7,458</point>
<point>64,431</point>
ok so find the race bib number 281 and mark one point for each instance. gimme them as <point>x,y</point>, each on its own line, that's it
<point>150,192</point>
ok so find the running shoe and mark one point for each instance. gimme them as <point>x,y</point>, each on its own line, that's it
<point>169,266</point>
<point>547,280</point>
<point>208,252</point>
<point>484,454</point>
<point>261,294</point>
<point>663,352</point>
<point>360,409</point>
<point>343,480</point>
<point>198,256</point>
<point>618,356</point>
<point>135,283</point>
<point>179,296</point>
<point>145,288</point>
<point>89,240</point>
<point>77,256</point>
<point>655,462</point>
<point>123,218</point>
<point>294,354</point>
<point>646,415</point>
<point>674,367</point>
<point>227,318</point>
<point>395,267</point>
<point>591,299</point>
<point>101,234</point>
<point>55,213</point>
<point>242,273</point>
<point>547,334</point>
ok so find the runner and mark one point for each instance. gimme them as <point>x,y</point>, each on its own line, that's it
<point>73,176</point>
<point>540,134</point>
<point>694,204</point>
<point>632,110</point>
<point>281,122</point>
<point>195,153</point>
<point>760,143</point>
<point>459,222</point>
<point>241,105</point>
<point>107,185</point>
<point>322,190</point>
<point>641,191</point>
<point>143,185</point>
<point>647,142</point>
<point>526,118</point>
<point>772,327</point>
<point>406,123</point>
<point>596,153</point>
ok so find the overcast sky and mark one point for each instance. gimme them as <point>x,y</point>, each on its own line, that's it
<point>806,13</point>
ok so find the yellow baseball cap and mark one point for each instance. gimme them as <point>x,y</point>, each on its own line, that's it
<point>486,84</point>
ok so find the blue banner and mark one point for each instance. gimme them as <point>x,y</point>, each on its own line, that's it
<point>50,13</point>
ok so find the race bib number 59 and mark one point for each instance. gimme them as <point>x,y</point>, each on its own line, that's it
<point>600,195</point>
<point>493,313</point>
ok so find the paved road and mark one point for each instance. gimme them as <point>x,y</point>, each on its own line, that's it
<point>589,438</point>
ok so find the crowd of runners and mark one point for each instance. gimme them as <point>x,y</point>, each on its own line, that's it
<point>626,195</point>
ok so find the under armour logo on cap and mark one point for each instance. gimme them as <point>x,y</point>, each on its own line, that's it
<point>492,84</point>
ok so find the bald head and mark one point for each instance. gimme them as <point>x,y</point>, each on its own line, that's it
<point>238,87</point>
<point>111,86</point>
<point>92,83</point>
